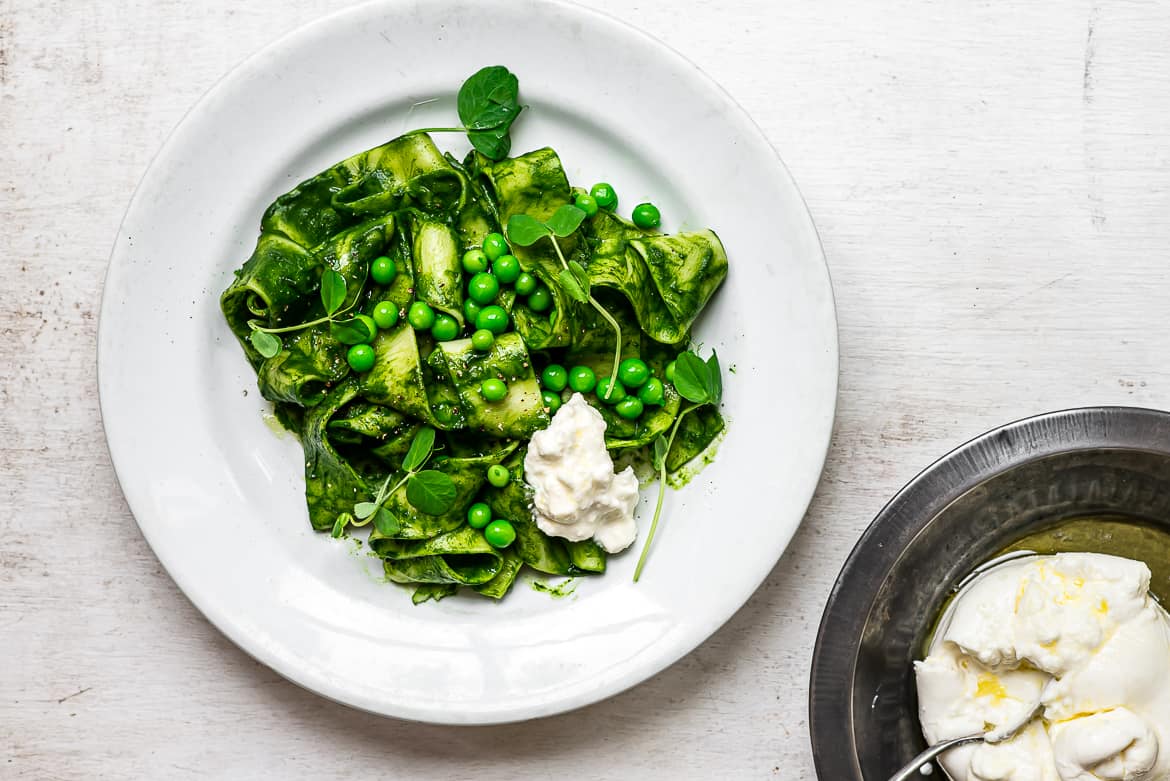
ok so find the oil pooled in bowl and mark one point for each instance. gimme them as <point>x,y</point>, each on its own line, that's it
<point>1116,535</point>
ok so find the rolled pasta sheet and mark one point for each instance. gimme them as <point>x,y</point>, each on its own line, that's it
<point>398,381</point>
<point>351,251</point>
<point>302,373</point>
<point>332,485</point>
<point>438,270</point>
<point>383,432</point>
<point>521,412</point>
<point>273,286</point>
<point>406,172</point>
<point>667,279</point>
<point>468,475</point>
<point>462,557</point>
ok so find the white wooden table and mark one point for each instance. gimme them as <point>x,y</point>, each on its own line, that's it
<point>992,183</point>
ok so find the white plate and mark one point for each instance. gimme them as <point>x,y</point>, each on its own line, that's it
<point>218,492</point>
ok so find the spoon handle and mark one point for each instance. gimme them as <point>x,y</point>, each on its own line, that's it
<point>911,769</point>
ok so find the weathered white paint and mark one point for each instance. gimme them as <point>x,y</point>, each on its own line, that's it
<point>992,183</point>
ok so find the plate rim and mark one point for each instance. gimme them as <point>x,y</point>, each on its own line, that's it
<point>217,617</point>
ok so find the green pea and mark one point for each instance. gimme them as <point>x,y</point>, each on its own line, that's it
<point>370,325</point>
<point>554,377</point>
<point>670,372</point>
<point>651,392</point>
<point>479,515</point>
<point>383,270</point>
<point>483,288</point>
<point>605,196</point>
<point>629,408</point>
<point>540,299</point>
<point>525,283</point>
<point>493,389</point>
<point>582,379</point>
<point>360,357</point>
<point>420,316</point>
<point>475,260</point>
<point>506,268</point>
<point>385,314</point>
<point>499,534</point>
<point>617,395</point>
<point>492,318</point>
<point>482,340</point>
<point>551,400</point>
<point>445,328</point>
<point>633,372</point>
<point>498,475</point>
<point>586,203</point>
<point>495,245</point>
<point>471,310</point>
<point>646,215</point>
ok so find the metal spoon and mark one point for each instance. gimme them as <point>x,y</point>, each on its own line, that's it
<point>914,767</point>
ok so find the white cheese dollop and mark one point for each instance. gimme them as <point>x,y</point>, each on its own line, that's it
<point>576,493</point>
<point>1081,633</point>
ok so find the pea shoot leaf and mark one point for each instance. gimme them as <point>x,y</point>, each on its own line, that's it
<point>661,448</point>
<point>339,525</point>
<point>386,523</point>
<point>353,331</point>
<point>332,290</point>
<point>363,510</point>
<point>690,378</point>
<point>431,492</point>
<point>572,286</point>
<point>525,230</point>
<point>565,220</point>
<point>420,449</point>
<point>488,104</point>
<point>265,343</point>
<point>714,379</point>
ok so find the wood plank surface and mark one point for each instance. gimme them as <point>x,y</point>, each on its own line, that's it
<point>992,185</point>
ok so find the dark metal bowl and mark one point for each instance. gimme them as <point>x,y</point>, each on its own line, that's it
<point>968,505</point>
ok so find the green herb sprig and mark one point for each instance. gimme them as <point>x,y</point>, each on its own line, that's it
<point>488,104</point>
<point>333,295</point>
<point>700,383</point>
<point>429,490</point>
<point>525,230</point>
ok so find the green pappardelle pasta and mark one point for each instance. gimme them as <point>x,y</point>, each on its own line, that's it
<point>404,338</point>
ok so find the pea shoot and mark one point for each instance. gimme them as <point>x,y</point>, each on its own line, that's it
<point>488,104</point>
<point>700,383</point>
<point>525,230</point>
<point>429,491</point>
<point>333,286</point>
